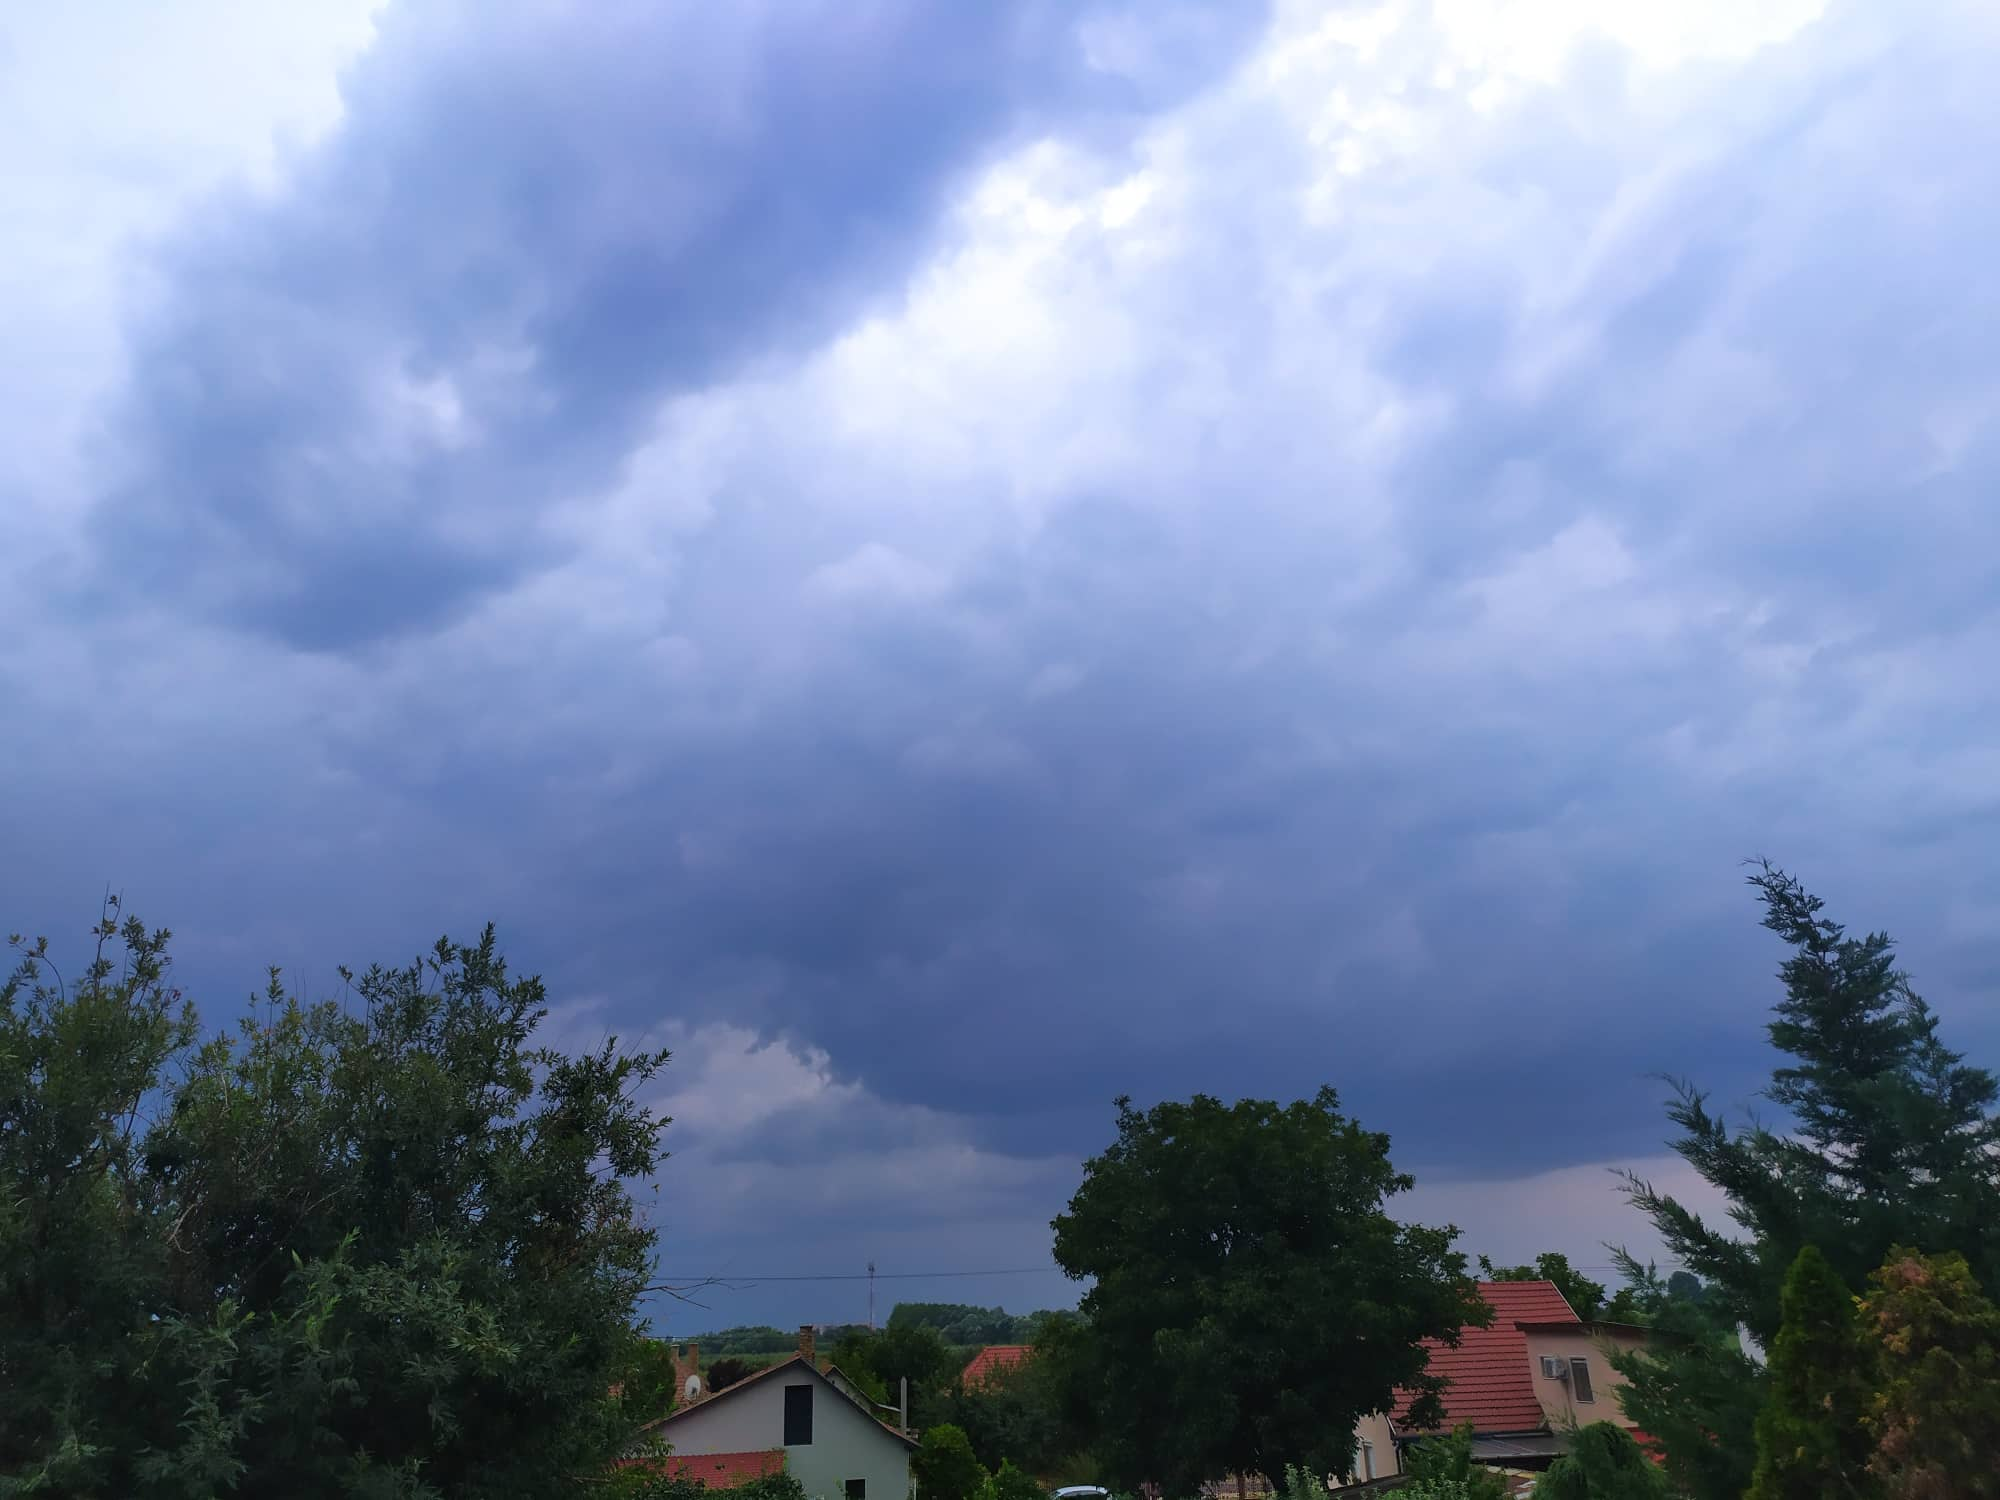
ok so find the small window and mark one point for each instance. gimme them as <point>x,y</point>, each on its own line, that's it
<point>798,1416</point>
<point>1367,1459</point>
<point>857,1489</point>
<point>1579,1379</point>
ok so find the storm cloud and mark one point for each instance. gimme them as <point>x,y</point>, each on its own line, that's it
<point>951,563</point>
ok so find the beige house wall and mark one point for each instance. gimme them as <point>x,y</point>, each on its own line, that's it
<point>1374,1450</point>
<point>1557,1396</point>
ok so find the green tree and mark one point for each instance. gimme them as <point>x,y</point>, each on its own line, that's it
<point>1810,1440</point>
<point>959,1323</point>
<point>1585,1297</point>
<point>1252,1297</point>
<point>1446,1462</point>
<point>1892,1140</point>
<point>82,1249</point>
<point>944,1467</point>
<point>724,1372</point>
<point>1016,1412</point>
<point>916,1353</point>
<point>751,1340</point>
<point>644,1379</point>
<point>386,1251</point>
<point>1603,1463</point>
<point>1010,1483</point>
<point>1935,1418</point>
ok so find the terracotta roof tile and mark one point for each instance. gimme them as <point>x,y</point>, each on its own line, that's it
<point>1491,1385</point>
<point>719,1471</point>
<point>992,1359</point>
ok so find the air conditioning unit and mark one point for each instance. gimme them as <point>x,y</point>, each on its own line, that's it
<point>1554,1367</point>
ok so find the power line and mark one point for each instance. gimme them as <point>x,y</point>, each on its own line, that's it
<point>728,1276</point>
<point>873,1275</point>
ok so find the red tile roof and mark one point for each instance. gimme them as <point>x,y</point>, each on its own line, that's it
<point>1491,1385</point>
<point>992,1359</point>
<point>719,1471</point>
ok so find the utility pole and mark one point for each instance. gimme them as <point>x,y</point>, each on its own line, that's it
<point>871,1296</point>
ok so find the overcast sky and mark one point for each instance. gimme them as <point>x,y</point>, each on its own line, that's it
<point>951,562</point>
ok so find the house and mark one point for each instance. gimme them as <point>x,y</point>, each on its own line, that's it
<point>1525,1382</point>
<point>992,1361</point>
<point>792,1415</point>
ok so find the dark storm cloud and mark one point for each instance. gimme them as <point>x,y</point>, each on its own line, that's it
<point>1268,838</point>
<point>1326,589</point>
<point>355,398</point>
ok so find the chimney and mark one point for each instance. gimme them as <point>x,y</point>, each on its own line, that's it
<point>683,1368</point>
<point>806,1342</point>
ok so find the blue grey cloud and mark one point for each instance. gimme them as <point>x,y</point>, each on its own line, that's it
<point>354,397</point>
<point>1055,558</point>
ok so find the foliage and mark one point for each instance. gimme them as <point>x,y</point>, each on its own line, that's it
<point>913,1352</point>
<point>748,1340</point>
<point>1892,1141</point>
<point>81,1248</point>
<point>1810,1439</point>
<point>639,1482</point>
<point>1936,1416</point>
<point>1446,1461</point>
<point>1646,1297</point>
<point>1252,1297</point>
<point>783,1485</point>
<point>383,1253</point>
<point>724,1372</point>
<point>1603,1463</point>
<point>1301,1484</point>
<point>853,1353</point>
<point>1028,1411</point>
<point>1010,1483</point>
<point>643,1482</point>
<point>958,1323</point>
<point>1434,1489</point>
<point>916,1354</point>
<point>1585,1297</point>
<point>643,1376</point>
<point>944,1467</point>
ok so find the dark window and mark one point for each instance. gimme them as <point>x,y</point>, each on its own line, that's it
<point>857,1489</point>
<point>798,1415</point>
<point>1579,1379</point>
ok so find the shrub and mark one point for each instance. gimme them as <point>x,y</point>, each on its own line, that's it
<point>1603,1463</point>
<point>944,1466</point>
<point>1446,1462</point>
<point>1010,1483</point>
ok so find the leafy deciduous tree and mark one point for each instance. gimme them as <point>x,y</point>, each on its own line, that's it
<point>944,1467</point>
<point>381,1253</point>
<point>1252,1297</point>
<point>81,1252</point>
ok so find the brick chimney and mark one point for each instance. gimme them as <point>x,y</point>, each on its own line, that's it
<point>684,1367</point>
<point>806,1342</point>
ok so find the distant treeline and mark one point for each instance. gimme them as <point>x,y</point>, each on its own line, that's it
<point>955,1322</point>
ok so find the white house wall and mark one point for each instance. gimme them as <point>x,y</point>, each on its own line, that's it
<point>846,1444</point>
